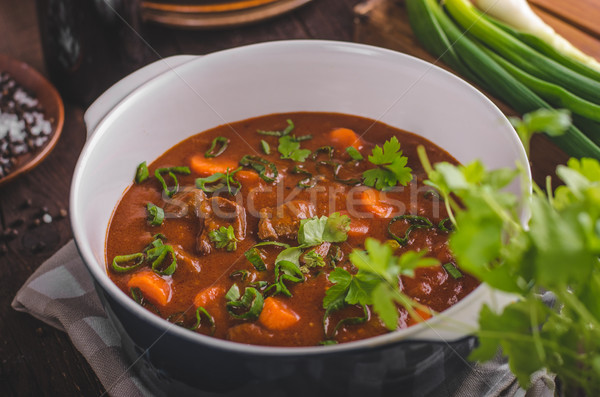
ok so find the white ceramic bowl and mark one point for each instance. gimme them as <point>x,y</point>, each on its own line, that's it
<point>156,108</point>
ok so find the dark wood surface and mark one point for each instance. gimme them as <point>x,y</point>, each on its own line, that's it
<point>36,359</point>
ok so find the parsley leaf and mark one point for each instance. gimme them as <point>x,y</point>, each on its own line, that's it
<point>392,167</point>
<point>224,237</point>
<point>551,121</point>
<point>332,229</point>
<point>289,147</point>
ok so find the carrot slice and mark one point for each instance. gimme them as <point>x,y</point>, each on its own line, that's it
<point>344,137</point>
<point>371,199</point>
<point>208,166</point>
<point>276,315</point>
<point>208,295</point>
<point>154,288</point>
<point>247,177</point>
<point>422,315</point>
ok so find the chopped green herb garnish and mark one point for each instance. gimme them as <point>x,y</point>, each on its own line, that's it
<point>452,270</point>
<point>379,265</point>
<point>233,293</point>
<point>415,222</point>
<point>156,215</point>
<point>313,259</point>
<point>210,319</point>
<point>446,225</point>
<point>332,229</point>
<point>323,149</point>
<point>304,138</point>
<point>354,153</point>
<point>265,146</point>
<point>224,237</point>
<point>289,147</point>
<point>307,181</point>
<point>551,121</point>
<point>260,165</point>
<point>247,307</point>
<point>134,260</point>
<point>217,147</point>
<point>156,253</point>
<point>171,171</point>
<point>391,170</point>
<point>284,132</point>
<point>141,173</point>
<point>242,274</point>
<point>218,181</point>
<point>254,257</point>
<point>285,271</point>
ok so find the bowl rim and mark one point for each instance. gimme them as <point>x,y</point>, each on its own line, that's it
<point>40,84</point>
<point>403,335</point>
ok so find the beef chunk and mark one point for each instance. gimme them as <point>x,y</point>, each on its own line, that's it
<point>217,212</point>
<point>284,220</point>
<point>184,203</point>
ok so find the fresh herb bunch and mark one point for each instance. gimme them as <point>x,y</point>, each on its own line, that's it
<point>557,251</point>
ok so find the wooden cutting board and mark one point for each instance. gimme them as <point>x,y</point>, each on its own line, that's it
<point>385,23</point>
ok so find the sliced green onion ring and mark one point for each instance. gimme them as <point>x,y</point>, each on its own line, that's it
<point>446,225</point>
<point>265,146</point>
<point>260,165</point>
<point>156,215</point>
<point>306,182</point>
<point>218,180</point>
<point>285,271</point>
<point>242,274</point>
<point>452,270</point>
<point>415,221</point>
<point>171,171</point>
<point>141,173</point>
<point>254,257</point>
<point>323,149</point>
<point>354,153</point>
<point>209,318</point>
<point>215,151</point>
<point>137,295</point>
<point>157,255</point>
<point>137,259</point>
<point>252,302</point>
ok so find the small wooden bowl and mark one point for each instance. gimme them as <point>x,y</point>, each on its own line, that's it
<point>50,101</point>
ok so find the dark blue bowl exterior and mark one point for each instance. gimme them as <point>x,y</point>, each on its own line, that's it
<point>170,365</point>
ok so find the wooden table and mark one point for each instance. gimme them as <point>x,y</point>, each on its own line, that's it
<point>36,359</point>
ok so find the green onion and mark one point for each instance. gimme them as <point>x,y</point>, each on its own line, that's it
<point>233,293</point>
<point>436,30</point>
<point>285,132</point>
<point>348,321</point>
<point>259,284</point>
<point>157,256</point>
<point>137,295</point>
<point>285,271</point>
<point>415,221</point>
<point>213,151</point>
<point>142,173</point>
<point>276,243</point>
<point>260,165</point>
<point>209,318</point>
<point>328,342</point>
<point>519,53</point>
<point>354,153</point>
<point>218,180</point>
<point>306,182</point>
<point>304,138</point>
<point>242,274</point>
<point>251,302</point>
<point>171,171</point>
<point>177,318</point>
<point>265,146</point>
<point>452,270</point>
<point>156,215</point>
<point>446,225</point>
<point>323,149</point>
<point>254,257</point>
<point>137,260</point>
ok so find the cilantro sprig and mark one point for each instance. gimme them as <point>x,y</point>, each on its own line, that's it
<point>392,167</point>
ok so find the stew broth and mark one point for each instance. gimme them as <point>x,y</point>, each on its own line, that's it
<point>205,273</point>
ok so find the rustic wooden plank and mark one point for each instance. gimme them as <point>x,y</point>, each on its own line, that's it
<point>582,40</point>
<point>583,14</point>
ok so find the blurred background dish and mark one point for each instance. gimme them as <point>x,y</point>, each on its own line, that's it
<point>20,115</point>
<point>210,14</point>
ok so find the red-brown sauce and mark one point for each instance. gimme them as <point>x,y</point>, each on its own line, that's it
<point>129,230</point>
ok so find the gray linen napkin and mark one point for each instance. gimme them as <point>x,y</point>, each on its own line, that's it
<point>61,293</point>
